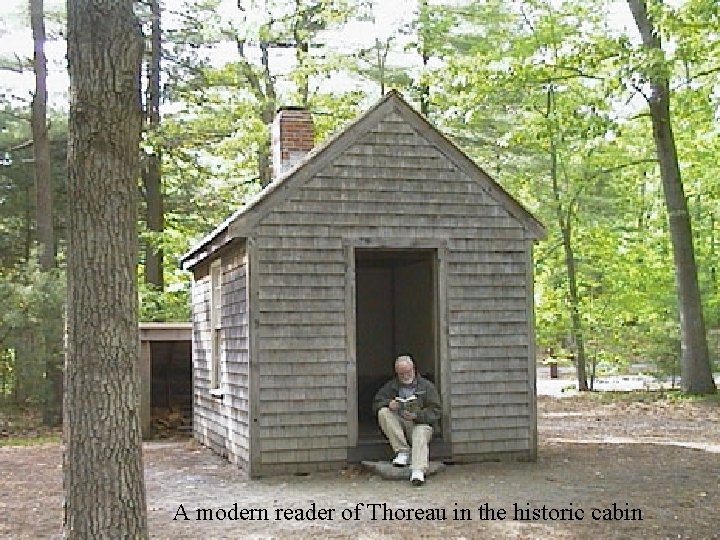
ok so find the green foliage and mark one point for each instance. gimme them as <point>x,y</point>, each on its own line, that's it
<point>170,305</point>
<point>522,85</point>
<point>17,184</point>
<point>30,330</point>
<point>30,440</point>
<point>8,380</point>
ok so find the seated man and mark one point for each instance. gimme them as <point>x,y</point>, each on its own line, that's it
<point>408,406</point>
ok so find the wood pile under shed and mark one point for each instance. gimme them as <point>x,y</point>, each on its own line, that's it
<point>166,376</point>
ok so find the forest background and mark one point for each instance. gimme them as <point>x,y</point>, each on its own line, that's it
<point>549,97</point>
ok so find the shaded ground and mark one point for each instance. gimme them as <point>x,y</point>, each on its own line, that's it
<point>658,458</point>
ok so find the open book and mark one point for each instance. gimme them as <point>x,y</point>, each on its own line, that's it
<point>409,404</point>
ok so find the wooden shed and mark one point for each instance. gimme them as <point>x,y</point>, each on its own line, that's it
<point>386,239</point>
<point>165,367</point>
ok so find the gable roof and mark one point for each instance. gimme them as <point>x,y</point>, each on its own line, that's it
<point>242,221</point>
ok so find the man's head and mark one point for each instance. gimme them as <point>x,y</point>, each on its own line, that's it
<point>405,369</point>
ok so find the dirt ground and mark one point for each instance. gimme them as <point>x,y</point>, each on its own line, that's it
<point>656,460</point>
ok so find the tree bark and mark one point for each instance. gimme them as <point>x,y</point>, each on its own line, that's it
<point>268,104</point>
<point>695,358</point>
<point>264,92</point>
<point>576,327</point>
<point>152,173</point>
<point>301,24</point>
<point>52,409</point>
<point>423,49</point>
<point>103,471</point>
<point>41,145</point>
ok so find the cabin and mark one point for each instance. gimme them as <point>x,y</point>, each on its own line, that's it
<point>384,240</point>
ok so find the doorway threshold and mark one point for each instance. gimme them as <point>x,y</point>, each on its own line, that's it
<point>379,450</point>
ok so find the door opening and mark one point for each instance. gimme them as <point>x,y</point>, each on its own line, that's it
<point>171,387</point>
<point>396,314</point>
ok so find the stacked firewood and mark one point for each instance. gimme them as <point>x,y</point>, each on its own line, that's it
<point>171,423</point>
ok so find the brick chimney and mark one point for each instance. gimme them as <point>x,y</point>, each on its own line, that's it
<point>292,137</point>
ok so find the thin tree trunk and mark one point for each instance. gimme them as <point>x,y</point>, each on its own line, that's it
<point>381,53</point>
<point>695,358</point>
<point>576,328</point>
<point>713,254</point>
<point>302,49</point>
<point>52,409</point>
<point>103,471</point>
<point>425,56</point>
<point>268,104</point>
<point>41,146</point>
<point>28,240</point>
<point>152,174</point>
<point>264,92</point>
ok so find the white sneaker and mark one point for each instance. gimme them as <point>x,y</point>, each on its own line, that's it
<point>417,478</point>
<point>402,459</point>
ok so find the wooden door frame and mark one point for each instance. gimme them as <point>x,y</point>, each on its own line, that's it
<point>440,321</point>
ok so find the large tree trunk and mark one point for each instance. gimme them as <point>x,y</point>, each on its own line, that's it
<point>44,214</point>
<point>152,175</point>
<point>103,471</point>
<point>695,359</point>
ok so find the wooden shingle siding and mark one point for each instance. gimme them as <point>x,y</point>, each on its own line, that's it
<point>302,406</point>
<point>493,376</point>
<point>315,456</point>
<point>489,447</point>
<point>299,361</point>
<point>472,353</point>
<point>386,192</point>
<point>299,305</point>
<point>487,328</point>
<point>208,419</point>
<point>513,413</point>
<point>488,340</point>
<point>235,367</point>
<point>518,437</point>
<point>222,423</point>
<point>309,418</point>
<point>302,349</point>
<point>379,179</point>
<point>391,184</point>
<point>483,399</point>
<point>317,318</point>
<point>294,440</point>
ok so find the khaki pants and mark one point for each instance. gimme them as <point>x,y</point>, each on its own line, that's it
<point>398,430</point>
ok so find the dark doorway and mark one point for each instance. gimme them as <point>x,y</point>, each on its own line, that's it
<point>396,314</point>
<point>171,390</point>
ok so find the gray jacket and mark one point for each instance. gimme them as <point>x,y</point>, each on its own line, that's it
<point>428,406</point>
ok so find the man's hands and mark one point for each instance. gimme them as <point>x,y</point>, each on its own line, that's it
<point>394,405</point>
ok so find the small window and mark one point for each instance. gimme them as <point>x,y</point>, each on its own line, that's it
<point>215,323</point>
